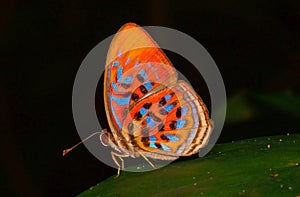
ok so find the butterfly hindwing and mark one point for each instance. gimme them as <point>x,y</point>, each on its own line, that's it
<point>173,121</point>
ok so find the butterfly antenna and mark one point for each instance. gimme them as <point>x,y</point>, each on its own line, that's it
<point>66,151</point>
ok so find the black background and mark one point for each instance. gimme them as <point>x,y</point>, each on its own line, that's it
<point>254,43</point>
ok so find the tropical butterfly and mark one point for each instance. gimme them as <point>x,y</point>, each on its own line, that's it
<point>150,112</point>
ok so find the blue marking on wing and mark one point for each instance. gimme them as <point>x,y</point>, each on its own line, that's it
<point>128,80</point>
<point>150,122</point>
<point>119,73</point>
<point>194,112</point>
<point>152,145</point>
<point>137,63</point>
<point>153,138</point>
<point>168,97</point>
<point>148,119</point>
<point>165,148</point>
<point>149,65</point>
<point>127,61</point>
<point>169,107</point>
<point>173,138</point>
<point>184,110</point>
<point>116,117</point>
<point>115,87</point>
<point>143,111</point>
<point>120,101</point>
<point>157,76</point>
<point>116,63</point>
<point>108,74</point>
<point>180,149</point>
<point>180,124</point>
<point>186,97</point>
<point>195,117</point>
<point>143,73</point>
<point>196,123</point>
<point>148,85</point>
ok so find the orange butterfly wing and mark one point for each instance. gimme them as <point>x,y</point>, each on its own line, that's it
<point>147,108</point>
<point>132,53</point>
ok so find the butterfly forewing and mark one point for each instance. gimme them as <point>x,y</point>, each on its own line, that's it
<point>130,73</point>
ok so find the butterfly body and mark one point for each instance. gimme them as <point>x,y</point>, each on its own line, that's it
<point>150,112</point>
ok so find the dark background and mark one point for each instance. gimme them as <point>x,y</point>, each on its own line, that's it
<point>254,43</point>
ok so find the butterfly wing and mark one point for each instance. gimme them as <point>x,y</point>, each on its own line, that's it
<point>172,122</point>
<point>132,72</point>
<point>148,110</point>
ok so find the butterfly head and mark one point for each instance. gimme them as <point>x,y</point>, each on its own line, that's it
<point>107,139</point>
<point>104,137</point>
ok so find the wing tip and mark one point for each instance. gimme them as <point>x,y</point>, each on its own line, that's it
<point>128,26</point>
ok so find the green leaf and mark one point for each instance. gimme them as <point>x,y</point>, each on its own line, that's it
<point>266,166</point>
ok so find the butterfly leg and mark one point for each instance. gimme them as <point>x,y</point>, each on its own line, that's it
<point>153,166</point>
<point>114,155</point>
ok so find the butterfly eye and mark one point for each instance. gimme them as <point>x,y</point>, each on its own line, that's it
<point>104,138</point>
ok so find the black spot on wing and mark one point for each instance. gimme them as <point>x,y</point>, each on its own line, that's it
<point>147,105</point>
<point>157,145</point>
<point>164,137</point>
<point>162,102</point>
<point>143,89</point>
<point>137,116</point>
<point>145,139</point>
<point>134,96</point>
<point>172,125</point>
<point>178,112</point>
<point>174,103</point>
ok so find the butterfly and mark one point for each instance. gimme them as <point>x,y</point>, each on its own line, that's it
<point>150,112</point>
